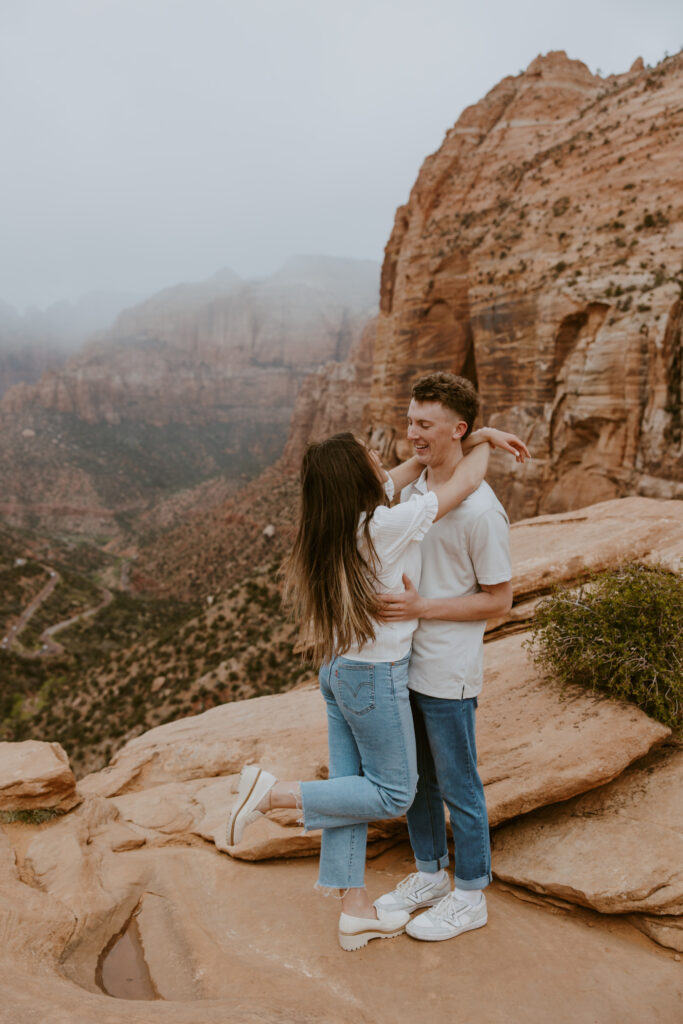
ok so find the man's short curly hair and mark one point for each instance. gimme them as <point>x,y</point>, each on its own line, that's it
<point>453,392</point>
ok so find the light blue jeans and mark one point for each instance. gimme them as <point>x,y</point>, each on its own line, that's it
<point>373,769</point>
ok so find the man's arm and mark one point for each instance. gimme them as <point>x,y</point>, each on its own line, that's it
<point>493,600</point>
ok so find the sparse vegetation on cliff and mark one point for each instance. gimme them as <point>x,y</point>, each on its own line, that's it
<point>621,634</point>
<point>141,661</point>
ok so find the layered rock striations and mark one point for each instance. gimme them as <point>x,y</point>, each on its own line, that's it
<point>331,400</point>
<point>540,254</point>
<point>198,381</point>
<point>36,775</point>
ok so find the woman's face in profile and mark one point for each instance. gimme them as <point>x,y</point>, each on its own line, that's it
<point>375,462</point>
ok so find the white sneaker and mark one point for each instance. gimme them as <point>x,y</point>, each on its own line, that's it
<point>413,893</point>
<point>356,932</point>
<point>254,784</point>
<point>448,918</point>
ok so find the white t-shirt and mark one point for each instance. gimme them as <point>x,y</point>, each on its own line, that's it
<point>467,547</point>
<point>396,534</point>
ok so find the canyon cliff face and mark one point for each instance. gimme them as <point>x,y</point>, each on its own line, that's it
<point>331,400</point>
<point>539,254</point>
<point>196,382</point>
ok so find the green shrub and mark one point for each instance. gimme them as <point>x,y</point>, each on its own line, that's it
<point>35,816</point>
<point>621,634</point>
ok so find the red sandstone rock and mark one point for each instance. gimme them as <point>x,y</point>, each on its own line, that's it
<point>331,400</point>
<point>36,775</point>
<point>618,849</point>
<point>229,941</point>
<point>539,254</point>
<point>666,930</point>
<point>535,748</point>
<point>560,548</point>
<point>147,840</point>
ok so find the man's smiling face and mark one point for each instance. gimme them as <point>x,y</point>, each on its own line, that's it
<point>433,430</point>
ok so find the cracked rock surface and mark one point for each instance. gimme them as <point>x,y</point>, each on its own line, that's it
<point>618,849</point>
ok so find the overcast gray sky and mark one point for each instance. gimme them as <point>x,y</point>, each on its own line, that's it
<point>146,142</point>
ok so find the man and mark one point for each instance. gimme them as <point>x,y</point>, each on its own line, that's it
<point>465,580</point>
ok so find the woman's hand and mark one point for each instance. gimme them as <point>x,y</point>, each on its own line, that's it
<point>377,463</point>
<point>499,439</point>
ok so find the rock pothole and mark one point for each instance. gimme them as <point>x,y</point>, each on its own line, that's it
<point>122,970</point>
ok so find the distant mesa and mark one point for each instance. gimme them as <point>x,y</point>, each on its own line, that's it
<point>198,382</point>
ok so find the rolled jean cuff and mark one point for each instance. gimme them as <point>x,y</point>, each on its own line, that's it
<point>432,865</point>
<point>473,883</point>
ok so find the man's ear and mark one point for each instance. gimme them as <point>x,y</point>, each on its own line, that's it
<point>459,429</point>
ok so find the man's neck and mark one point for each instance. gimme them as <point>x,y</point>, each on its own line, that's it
<point>442,472</point>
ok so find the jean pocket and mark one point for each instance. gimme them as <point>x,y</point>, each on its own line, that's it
<point>356,687</point>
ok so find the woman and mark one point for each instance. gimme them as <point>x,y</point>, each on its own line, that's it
<point>349,548</point>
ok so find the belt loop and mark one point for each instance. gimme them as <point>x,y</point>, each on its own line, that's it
<point>462,695</point>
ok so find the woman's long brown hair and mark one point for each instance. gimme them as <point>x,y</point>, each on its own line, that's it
<point>329,578</point>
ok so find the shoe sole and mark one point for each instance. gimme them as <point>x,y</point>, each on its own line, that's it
<point>442,938</point>
<point>233,832</point>
<point>356,940</point>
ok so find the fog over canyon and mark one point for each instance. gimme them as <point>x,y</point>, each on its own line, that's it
<point>195,383</point>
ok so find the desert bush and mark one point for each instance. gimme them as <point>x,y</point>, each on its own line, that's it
<point>621,634</point>
<point>34,816</point>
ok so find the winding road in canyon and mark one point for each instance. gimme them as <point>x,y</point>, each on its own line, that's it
<point>48,645</point>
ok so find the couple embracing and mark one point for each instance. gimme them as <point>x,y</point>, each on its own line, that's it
<point>395,601</point>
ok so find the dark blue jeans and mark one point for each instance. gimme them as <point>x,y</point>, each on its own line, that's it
<point>447,772</point>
